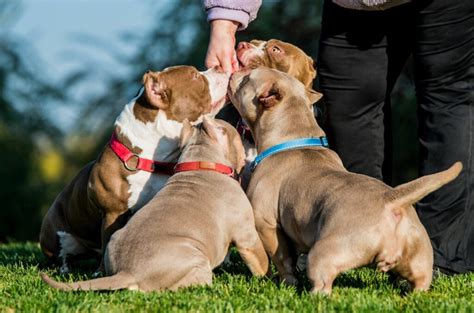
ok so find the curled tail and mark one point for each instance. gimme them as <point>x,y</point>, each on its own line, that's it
<point>407,194</point>
<point>118,281</point>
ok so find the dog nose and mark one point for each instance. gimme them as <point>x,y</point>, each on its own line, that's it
<point>243,45</point>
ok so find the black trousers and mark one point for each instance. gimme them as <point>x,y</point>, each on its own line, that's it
<point>361,55</point>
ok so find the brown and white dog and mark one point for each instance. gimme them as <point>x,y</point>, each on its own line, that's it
<point>305,201</point>
<point>102,196</point>
<point>199,212</point>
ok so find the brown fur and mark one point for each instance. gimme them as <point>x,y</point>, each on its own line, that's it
<point>167,92</point>
<point>199,214</point>
<point>305,201</point>
<point>281,56</point>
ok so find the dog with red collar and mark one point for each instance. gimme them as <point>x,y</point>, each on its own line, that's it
<point>200,212</point>
<point>135,164</point>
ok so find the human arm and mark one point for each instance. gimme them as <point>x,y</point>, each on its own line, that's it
<point>225,18</point>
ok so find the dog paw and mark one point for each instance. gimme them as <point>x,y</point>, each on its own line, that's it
<point>321,291</point>
<point>289,280</point>
<point>97,274</point>
<point>64,269</point>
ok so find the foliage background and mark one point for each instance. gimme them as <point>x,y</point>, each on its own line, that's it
<point>38,158</point>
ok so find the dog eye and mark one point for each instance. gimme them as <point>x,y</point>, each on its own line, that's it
<point>276,49</point>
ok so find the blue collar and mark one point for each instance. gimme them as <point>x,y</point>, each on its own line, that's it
<point>290,145</point>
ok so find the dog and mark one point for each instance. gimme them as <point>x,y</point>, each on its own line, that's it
<point>180,236</point>
<point>279,55</point>
<point>305,201</point>
<point>127,174</point>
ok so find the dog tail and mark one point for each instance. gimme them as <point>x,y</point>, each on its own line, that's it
<point>407,194</point>
<point>118,281</point>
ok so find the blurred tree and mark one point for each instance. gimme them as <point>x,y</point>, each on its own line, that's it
<point>25,135</point>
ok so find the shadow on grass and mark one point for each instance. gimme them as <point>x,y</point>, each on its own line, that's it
<point>29,254</point>
<point>17,254</point>
<point>236,266</point>
<point>363,278</point>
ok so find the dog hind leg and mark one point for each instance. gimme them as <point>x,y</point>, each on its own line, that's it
<point>326,260</point>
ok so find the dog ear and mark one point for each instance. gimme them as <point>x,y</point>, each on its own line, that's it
<point>186,132</point>
<point>313,96</point>
<point>270,96</point>
<point>155,90</point>
<point>215,131</point>
<point>310,72</point>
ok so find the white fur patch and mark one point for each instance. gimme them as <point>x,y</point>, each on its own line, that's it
<point>143,187</point>
<point>218,83</point>
<point>250,151</point>
<point>158,140</point>
<point>69,246</point>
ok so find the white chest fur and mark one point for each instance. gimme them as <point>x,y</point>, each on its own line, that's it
<point>158,141</point>
<point>250,150</point>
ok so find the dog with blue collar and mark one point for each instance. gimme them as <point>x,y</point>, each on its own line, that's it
<point>306,202</point>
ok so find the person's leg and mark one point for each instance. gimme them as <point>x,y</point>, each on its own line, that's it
<point>360,57</point>
<point>444,75</point>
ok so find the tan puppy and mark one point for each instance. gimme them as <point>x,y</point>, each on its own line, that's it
<point>279,55</point>
<point>179,237</point>
<point>99,200</point>
<point>305,200</point>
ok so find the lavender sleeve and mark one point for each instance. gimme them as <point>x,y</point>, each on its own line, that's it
<point>241,11</point>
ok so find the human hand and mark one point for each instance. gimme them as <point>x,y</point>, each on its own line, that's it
<point>221,49</point>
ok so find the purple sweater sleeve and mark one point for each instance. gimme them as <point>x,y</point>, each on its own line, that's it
<point>241,11</point>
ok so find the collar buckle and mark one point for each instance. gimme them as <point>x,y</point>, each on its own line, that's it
<point>128,167</point>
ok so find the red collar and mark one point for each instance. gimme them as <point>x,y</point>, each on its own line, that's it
<point>205,166</point>
<point>244,130</point>
<point>151,166</point>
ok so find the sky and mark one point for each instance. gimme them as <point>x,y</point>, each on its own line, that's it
<point>67,34</point>
<point>58,29</point>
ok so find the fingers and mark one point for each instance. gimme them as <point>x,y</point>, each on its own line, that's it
<point>211,61</point>
<point>223,57</point>
<point>227,63</point>
<point>235,63</point>
<point>221,49</point>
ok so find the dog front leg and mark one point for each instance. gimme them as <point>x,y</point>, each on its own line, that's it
<point>111,222</point>
<point>253,254</point>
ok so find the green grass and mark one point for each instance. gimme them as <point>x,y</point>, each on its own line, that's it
<point>233,290</point>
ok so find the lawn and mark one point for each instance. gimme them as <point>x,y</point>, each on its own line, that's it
<point>233,290</point>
